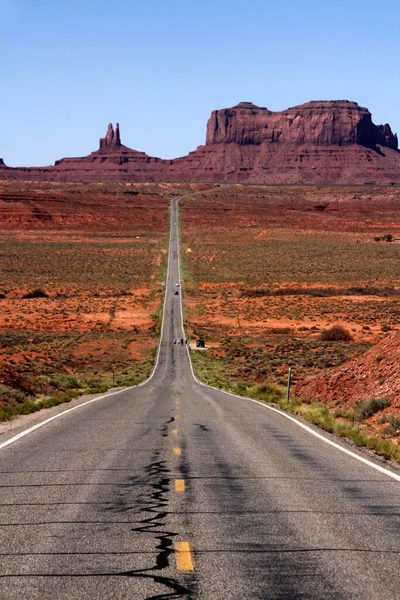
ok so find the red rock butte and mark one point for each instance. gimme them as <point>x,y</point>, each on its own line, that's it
<point>332,141</point>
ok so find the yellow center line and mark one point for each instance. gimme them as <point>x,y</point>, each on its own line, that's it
<point>177,451</point>
<point>184,556</point>
<point>180,485</point>
<point>177,417</point>
<point>174,431</point>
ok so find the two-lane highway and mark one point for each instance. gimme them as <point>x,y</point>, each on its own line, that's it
<point>176,490</point>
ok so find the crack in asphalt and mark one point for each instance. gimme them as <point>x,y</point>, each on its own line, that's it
<point>164,430</point>
<point>154,523</point>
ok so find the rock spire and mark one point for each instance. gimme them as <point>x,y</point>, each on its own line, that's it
<point>112,138</point>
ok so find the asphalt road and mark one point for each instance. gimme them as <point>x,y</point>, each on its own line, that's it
<point>176,490</point>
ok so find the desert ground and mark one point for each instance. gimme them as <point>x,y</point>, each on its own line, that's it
<point>267,271</point>
<point>270,269</point>
<point>82,268</point>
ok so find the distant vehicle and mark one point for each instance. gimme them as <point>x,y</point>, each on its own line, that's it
<point>177,284</point>
<point>200,344</point>
<point>176,293</point>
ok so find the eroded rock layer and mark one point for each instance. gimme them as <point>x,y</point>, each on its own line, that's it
<point>317,142</point>
<point>331,123</point>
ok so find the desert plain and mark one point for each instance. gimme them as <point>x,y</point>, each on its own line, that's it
<point>82,268</point>
<point>272,272</point>
<point>268,271</point>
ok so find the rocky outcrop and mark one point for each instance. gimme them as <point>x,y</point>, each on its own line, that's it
<point>389,138</point>
<point>109,162</point>
<point>112,139</point>
<point>374,374</point>
<point>330,123</point>
<point>317,142</point>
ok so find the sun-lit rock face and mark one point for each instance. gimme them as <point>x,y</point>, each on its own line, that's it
<point>332,141</point>
<point>323,123</point>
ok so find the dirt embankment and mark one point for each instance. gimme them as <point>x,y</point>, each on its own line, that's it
<point>374,374</point>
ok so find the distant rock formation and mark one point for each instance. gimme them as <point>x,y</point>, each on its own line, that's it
<point>112,138</point>
<point>390,139</point>
<point>111,162</point>
<point>330,123</point>
<point>333,141</point>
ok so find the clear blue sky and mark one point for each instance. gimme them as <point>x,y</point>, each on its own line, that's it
<point>159,67</point>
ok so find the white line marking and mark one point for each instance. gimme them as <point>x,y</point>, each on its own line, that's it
<point>27,431</point>
<point>164,305</point>
<point>282,413</point>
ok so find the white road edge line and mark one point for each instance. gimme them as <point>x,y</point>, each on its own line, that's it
<point>367,462</point>
<point>27,431</point>
<point>22,434</point>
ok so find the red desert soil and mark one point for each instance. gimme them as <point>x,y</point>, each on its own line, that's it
<point>81,269</point>
<point>375,374</point>
<point>77,207</point>
<point>271,267</point>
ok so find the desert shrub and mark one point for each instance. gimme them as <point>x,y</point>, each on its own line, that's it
<point>388,237</point>
<point>325,292</point>
<point>366,409</point>
<point>267,391</point>
<point>318,415</point>
<point>336,333</point>
<point>65,382</point>
<point>10,395</point>
<point>239,387</point>
<point>38,293</point>
<point>392,420</point>
<point>391,430</point>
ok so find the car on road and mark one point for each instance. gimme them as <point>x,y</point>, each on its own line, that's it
<point>176,293</point>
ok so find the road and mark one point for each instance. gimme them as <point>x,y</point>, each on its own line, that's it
<point>176,490</point>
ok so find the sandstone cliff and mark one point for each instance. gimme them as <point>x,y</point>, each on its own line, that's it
<point>331,123</point>
<point>317,142</point>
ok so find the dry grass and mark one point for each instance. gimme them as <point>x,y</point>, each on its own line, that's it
<point>266,273</point>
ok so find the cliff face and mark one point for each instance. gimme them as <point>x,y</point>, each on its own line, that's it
<point>317,142</point>
<point>331,123</point>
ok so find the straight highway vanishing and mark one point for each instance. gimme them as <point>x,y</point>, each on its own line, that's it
<point>173,489</point>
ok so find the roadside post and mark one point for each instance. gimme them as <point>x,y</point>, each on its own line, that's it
<point>289,381</point>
